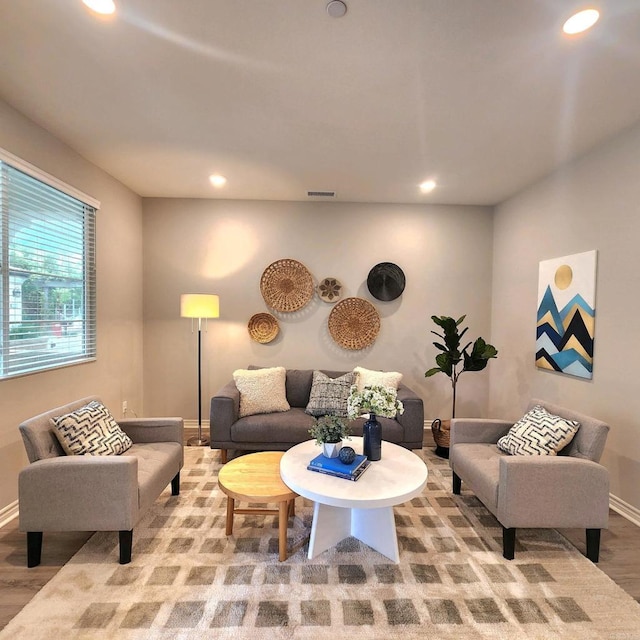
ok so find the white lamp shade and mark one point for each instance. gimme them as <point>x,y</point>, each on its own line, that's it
<point>199,305</point>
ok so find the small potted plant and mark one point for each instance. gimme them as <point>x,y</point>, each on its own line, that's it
<point>330,431</point>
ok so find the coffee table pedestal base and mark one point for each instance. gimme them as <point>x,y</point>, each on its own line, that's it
<point>374,527</point>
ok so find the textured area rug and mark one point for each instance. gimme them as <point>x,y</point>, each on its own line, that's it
<point>188,580</point>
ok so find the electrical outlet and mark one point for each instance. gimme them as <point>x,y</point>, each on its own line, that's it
<point>125,406</point>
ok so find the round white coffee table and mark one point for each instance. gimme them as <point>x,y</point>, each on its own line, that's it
<point>362,509</point>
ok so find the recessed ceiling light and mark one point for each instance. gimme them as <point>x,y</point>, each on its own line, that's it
<point>104,7</point>
<point>581,21</point>
<point>336,8</point>
<point>217,180</point>
<point>428,186</point>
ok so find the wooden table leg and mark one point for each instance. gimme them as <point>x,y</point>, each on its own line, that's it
<point>292,508</point>
<point>282,529</point>
<point>230,506</point>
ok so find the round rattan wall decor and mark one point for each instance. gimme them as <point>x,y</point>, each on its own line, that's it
<point>263,327</point>
<point>286,285</point>
<point>354,323</point>
<point>330,290</point>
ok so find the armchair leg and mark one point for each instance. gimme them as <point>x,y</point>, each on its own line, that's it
<point>508,542</point>
<point>34,548</point>
<point>457,484</point>
<point>223,456</point>
<point>126,542</point>
<point>175,485</point>
<point>593,544</point>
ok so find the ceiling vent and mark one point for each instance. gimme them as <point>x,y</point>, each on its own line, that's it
<point>321,194</point>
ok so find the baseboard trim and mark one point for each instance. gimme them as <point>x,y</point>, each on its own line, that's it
<point>625,509</point>
<point>8,513</point>
<point>193,424</point>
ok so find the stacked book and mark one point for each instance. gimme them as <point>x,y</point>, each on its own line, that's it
<point>335,467</point>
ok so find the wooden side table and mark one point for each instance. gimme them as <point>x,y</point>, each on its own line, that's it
<point>255,477</point>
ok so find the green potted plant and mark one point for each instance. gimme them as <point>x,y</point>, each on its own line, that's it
<point>330,431</point>
<point>448,362</point>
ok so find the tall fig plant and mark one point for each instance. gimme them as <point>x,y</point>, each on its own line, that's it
<point>451,355</point>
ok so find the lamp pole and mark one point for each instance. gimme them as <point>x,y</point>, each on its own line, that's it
<point>199,306</point>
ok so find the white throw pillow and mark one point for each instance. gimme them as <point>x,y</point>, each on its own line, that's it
<point>538,433</point>
<point>90,430</point>
<point>368,378</point>
<point>262,390</point>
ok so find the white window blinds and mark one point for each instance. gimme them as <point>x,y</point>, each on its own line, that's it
<point>47,241</point>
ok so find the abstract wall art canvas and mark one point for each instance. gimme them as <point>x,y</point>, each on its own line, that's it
<point>566,314</point>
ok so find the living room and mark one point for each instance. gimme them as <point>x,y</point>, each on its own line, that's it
<point>480,259</point>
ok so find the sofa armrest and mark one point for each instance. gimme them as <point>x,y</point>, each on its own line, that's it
<point>477,430</point>
<point>412,420</point>
<point>154,429</point>
<point>79,493</point>
<point>225,411</point>
<point>552,491</point>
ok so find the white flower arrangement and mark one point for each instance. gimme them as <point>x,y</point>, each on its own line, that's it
<point>379,400</point>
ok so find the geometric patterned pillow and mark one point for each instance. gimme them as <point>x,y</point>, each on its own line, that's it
<point>538,433</point>
<point>90,430</point>
<point>329,396</point>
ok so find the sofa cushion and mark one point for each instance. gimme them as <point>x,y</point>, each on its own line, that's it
<point>538,433</point>
<point>90,430</point>
<point>269,428</point>
<point>369,378</point>
<point>478,464</point>
<point>328,396</point>
<point>261,390</point>
<point>299,386</point>
<point>158,463</point>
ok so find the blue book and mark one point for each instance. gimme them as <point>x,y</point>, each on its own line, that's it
<point>346,476</point>
<point>335,464</point>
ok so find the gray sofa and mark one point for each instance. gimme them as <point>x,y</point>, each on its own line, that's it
<point>59,492</point>
<point>280,431</point>
<point>570,490</point>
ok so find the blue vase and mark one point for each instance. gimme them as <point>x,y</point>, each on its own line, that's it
<point>372,438</point>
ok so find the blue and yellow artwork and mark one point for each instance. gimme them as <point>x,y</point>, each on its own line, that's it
<point>566,314</point>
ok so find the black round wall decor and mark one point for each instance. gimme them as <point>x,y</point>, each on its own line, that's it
<point>386,281</point>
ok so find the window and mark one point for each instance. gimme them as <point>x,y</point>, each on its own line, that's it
<point>47,266</point>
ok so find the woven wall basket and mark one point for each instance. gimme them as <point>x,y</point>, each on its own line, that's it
<point>263,327</point>
<point>286,285</point>
<point>354,323</point>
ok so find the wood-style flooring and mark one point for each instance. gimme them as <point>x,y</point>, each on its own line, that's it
<point>619,559</point>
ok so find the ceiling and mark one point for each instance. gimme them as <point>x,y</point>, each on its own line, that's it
<point>484,96</point>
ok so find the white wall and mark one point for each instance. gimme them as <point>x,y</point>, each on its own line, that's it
<point>221,246</point>
<point>591,204</point>
<point>117,372</point>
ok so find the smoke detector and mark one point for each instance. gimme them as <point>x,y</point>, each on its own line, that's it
<point>336,8</point>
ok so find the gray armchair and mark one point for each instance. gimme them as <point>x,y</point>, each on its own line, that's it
<point>570,490</point>
<point>59,492</point>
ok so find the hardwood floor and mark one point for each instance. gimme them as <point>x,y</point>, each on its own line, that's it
<point>619,559</point>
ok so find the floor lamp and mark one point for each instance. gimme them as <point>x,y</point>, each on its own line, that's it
<point>201,306</point>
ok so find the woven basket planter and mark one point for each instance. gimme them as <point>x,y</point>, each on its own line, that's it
<point>441,431</point>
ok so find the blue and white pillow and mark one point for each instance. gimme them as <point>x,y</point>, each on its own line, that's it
<point>90,430</point>
<point>538,433</point>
